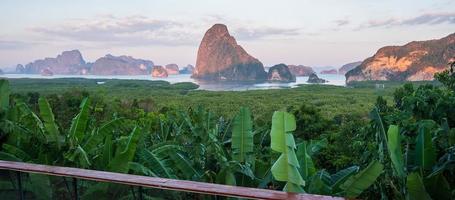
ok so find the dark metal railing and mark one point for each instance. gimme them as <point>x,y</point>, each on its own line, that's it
<point>151,182</point>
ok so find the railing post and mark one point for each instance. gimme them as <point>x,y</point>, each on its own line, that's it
<point>76,197</point>
<point>19,185</point>
<point>140,193</point>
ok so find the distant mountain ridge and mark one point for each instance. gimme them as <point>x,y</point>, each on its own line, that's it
<point>329,71</point>
<point>415,61</point>
<point>72,63</point>
<point>68,62</point>
<point>121,65</point>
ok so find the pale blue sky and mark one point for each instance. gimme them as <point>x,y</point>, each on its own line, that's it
<point>309,32</point>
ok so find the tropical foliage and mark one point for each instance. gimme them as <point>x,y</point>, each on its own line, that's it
<point>418,149</point>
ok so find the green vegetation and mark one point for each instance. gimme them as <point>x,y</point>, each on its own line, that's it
<point>155,96</point>
<point>392,143</point>
<point>286,167</point>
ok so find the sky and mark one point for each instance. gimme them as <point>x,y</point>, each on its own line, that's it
<point>308,32</point>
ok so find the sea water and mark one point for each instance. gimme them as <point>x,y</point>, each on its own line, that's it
<point>334,79</point>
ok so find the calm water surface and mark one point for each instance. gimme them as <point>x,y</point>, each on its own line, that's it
<point>333,80</point>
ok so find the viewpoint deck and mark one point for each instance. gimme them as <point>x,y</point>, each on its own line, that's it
<point>160,183</point>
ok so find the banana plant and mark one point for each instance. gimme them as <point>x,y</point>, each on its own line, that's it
<point>242,136</point>
<point>50,125</point>
<point>79,124</point>
<point>420,179</point>
<point>286,168</point>
<point>116,155</point>
<point>236,171</point>
<point>167,161</point>
<point>395,153</point>
<point>125,151</point>
<point>356,184</point>
<point>307,168</point>
<point>346,182</point>
<point>76,135</point>
<point>425,152</point>
<point>416,188</point>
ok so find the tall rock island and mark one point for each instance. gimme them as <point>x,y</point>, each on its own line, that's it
<point>121,65</point>
<point>280,73</point>
<point>159,72</point>
<point>172,69</point>
<point>414,61</point>
<point>220,58</point>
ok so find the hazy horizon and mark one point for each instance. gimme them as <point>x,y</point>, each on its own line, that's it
<point>312,33</point>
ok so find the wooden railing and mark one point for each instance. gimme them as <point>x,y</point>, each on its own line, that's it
<point>153,182</point>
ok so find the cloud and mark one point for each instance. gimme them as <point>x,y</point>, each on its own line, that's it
<point>431,19</point>
<point>380,23</point>
<point>243,30</point>
<point>262,32</point>
<point>424,19</point>
<point>110,30</point>
<point>342,22</point>
<point>12,44</point>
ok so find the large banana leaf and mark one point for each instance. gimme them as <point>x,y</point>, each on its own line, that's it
<point>79,156</point>
<point>140,169</point>
<point>307,168</point>
<point>356,184</point>
<point>261,168</point>
<point>416,189</point>
<point>438,187</point>
<point>49,120</point>
<point>286,168</point>
<point>380,131</point>
<point>320,183</point>
<point>159,166</point>
<point>79,123</point>
<point>394,146</point>
<point>120,162</point>
<point>108,152</point>
<point>17,152</point>
<point>282,124</point>
<point>242,136</point>
<point>32,122</point>
<point>184,165</point>
<point>175,158</point>
<point>97,136</point>
<point>425,152</point>
<point>9,157</point>
<point>341,176</point>
<point>4,94</point>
